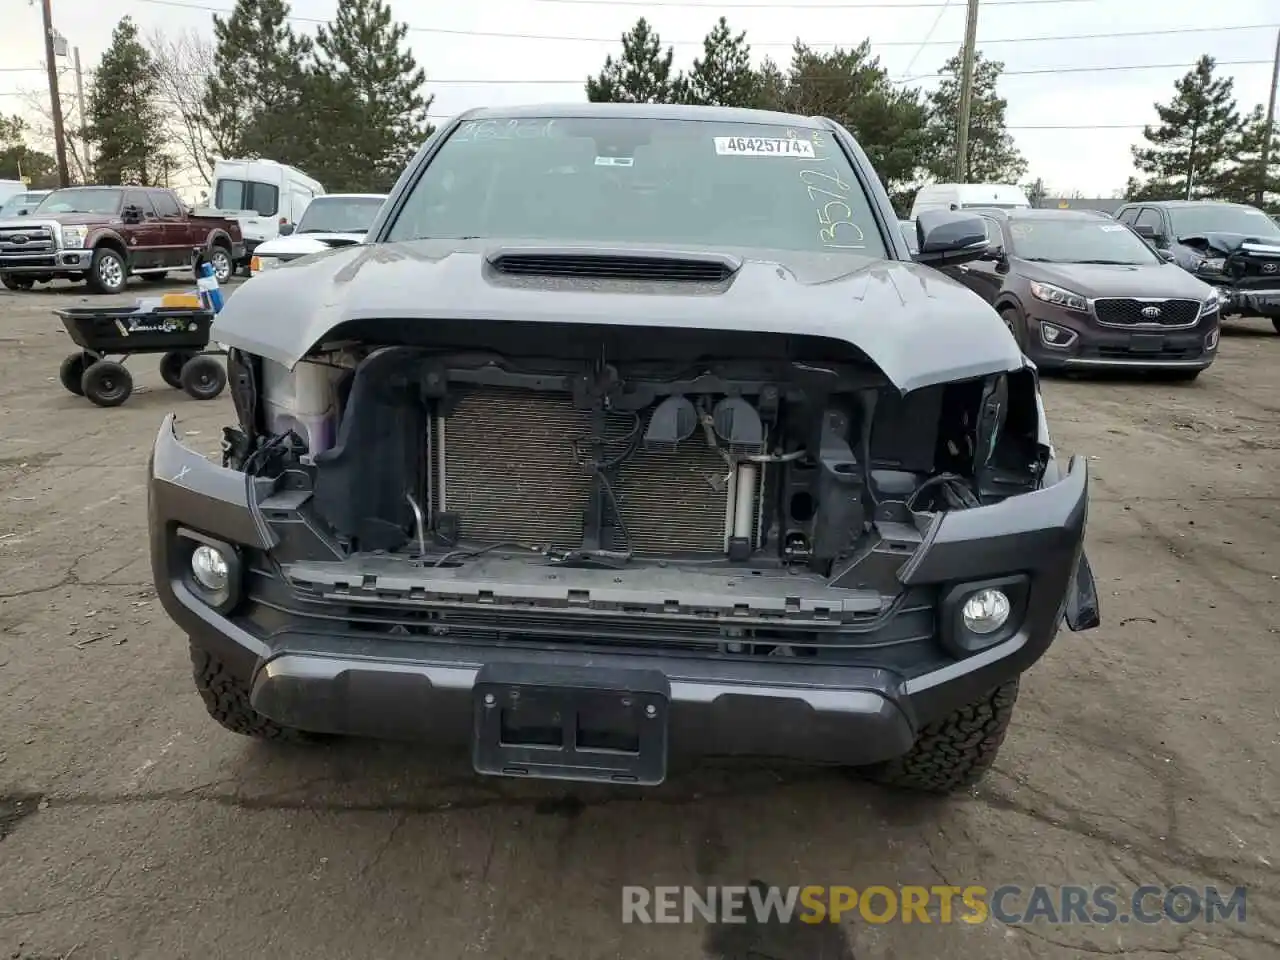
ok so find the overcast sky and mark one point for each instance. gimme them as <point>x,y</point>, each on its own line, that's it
<point>564,40</point>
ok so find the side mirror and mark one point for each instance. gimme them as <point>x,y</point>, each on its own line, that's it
<point>1167,256</point>
<point>286,229</point>
<point>946,238</point>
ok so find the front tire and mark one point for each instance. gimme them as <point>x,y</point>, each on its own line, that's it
<point>106,383</point>
<point>16,283</point>
<point>956,752</point>
<point>1012,318</point>
<point>203,377</point>
<point>108,273</point>
<point>226,698</point>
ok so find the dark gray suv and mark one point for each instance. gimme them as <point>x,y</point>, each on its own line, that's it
<point>1079,290</point>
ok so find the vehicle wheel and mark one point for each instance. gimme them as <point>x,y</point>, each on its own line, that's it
<point>71,373</point>
<point>955,752</point>
<point>203,377</point>
<point>1017,326</point>
<point>106,383</point>
<point>220,260</point>
<point>16,283</point>
<point>171,365</point>
<point>1275,322</point>
<point>156,277</point>
<point>108,272</point>
<point>226,697</point>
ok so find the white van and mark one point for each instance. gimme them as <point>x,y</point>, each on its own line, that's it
<point>958,196</point>
<point>261,195</point>
<point>11,188</point>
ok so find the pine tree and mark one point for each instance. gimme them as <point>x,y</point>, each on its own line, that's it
<point>851,86</point>
<point>641,75</point>
<point>1247,181</point>
<point>723,77</point>
<point>17,160</point>
<point>1190,151</point>
<point>126,124</point>
<point>992,157</point>
<point>259,101</point>
<point>378,84</point>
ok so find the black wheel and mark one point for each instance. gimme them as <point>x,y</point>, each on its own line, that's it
<point>203,377</point>
<point>955,752</point>
<point>1017,326</point>
<point>16,283</point>
<point>108,273</point>
<point>171,365</point>
<point>72,370</point>
<point>220,260</point>
<point>155,277</point>
<point>106,383</point>
<point>226,697</point>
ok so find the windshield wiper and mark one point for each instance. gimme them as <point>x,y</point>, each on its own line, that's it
<point>1111,263</point>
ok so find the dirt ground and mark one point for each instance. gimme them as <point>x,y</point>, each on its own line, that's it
<point>131,826</point>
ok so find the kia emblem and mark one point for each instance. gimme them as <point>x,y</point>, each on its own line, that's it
<point>1266,267</point>
<point>1151,313</point>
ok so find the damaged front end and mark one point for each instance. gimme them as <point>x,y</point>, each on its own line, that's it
<point>1245,270</point>
<point>708,502</point>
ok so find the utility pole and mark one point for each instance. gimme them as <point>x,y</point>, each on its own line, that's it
<point>966,93</point>
<point>55,102</point>
<point>84,117</point>
<point>1259,196</point>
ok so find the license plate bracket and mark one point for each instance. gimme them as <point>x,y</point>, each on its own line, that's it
<point>1146,343</point>
<point>558,723</point>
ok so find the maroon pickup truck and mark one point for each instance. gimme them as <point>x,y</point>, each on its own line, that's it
<point>104,235</point>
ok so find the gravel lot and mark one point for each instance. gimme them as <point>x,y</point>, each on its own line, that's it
<point>131,826</point>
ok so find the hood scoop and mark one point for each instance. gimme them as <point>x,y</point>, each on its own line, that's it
<point>596,264</point>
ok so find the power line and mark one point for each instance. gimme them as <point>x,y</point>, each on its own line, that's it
<point>925,42</point>
<point>505,35</point>
<point>690,5</point>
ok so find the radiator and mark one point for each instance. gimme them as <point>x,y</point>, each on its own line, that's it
<point>507,468</point>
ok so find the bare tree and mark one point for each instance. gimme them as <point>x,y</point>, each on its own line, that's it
<point>40,127</point>
<point>184,63</point>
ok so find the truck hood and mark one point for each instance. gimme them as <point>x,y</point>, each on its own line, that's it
<point>62,219</point>
<point>1113,280</point>
<point>919,327</point>
<point>1228,243</point>
<point>301,244</point>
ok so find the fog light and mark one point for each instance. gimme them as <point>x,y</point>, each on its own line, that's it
<point>209,567</point>
<point>1211,340</point>
<point>986,611</point>
<point>1055,336</point>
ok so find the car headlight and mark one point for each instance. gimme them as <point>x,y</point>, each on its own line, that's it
<point>1056,295</point>
<point>73,237</point>
<point>259,264</point>
<point>1211,264</point>
<point>1212,302</point>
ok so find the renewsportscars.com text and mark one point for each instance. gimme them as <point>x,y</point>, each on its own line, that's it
<point>1010,904</point>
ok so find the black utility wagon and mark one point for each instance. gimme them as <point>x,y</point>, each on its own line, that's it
<point>180,334</point>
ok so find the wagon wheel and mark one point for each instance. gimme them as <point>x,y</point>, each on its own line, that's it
<point>171,365</point>
<point>106,383</point>
<point>203,377</point>
<point>71,371</point>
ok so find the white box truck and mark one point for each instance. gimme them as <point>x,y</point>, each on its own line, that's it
<point>262,195</point>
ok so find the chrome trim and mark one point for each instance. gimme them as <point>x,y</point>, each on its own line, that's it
<point>1200,315</point>
<point>1150,364</point>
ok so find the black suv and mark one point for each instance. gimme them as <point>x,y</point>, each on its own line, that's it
<point>1232,246</point>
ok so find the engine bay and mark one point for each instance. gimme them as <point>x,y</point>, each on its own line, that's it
<point>714,451</point>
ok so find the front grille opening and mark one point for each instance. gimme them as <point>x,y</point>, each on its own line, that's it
<point>1124,312</point>
<point>592,267</point>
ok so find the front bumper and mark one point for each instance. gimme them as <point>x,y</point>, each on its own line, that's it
<point>1088,344</point>
<point>322,672</point>
<point>56,263</point>
<point>1249,300</point>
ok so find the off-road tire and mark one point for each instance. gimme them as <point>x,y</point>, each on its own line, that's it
<point>955,752</point>
<point>226,697</point>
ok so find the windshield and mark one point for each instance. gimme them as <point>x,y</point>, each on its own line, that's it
<point>1214,218</point>
<point>1078,241</point>
<point>339,215</point>
<point>81,200</point>
<point>21,201</point>
<point>613,180</point>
